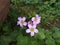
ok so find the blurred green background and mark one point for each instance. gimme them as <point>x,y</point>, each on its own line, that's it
<point>49,28</point>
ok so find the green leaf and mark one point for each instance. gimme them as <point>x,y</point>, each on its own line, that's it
<point>5,40</point>
<point>50,41</point>
<point>48,34</point>
<point>22,40</point>
<point>53,1</point>
<point>42,35</point>
<point>6,28</point>
<point>33,42</point>
<point>56,34</point>
<point>58,41</point>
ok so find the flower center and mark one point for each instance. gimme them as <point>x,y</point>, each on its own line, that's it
<point>32,29</point>
<point>22,21</point>
<point>36,19</point>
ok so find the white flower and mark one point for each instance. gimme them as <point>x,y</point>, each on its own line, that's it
<point>21,21</point>
<point>36,19</point>
<point>32,29</point>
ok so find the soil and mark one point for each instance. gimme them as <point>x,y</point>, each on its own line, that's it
<point>4,8</point>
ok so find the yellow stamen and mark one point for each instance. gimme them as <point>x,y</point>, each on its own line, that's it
<point>22,21</point>
<point>36,19</point>
<point>32,29</point>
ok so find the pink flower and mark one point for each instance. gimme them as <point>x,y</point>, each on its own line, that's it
<point>36,19</point>
<point>30,23</point>
<point>32,29</point>
<point>21,21</point>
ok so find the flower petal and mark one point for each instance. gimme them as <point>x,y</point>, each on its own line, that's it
<point>33,18</point>
<point>25,23</point>
<point>18,23</point>
<point>39,18</point>
<point>24,18</point>
<point>36,30</point>
<point>38,22</point>
<point>19,18</point>
<point>32,34</point>
<point>34,22</point>
<point>34,26</point>
<point>27,31</point>
<point>37,15</point>
<point>29,22</point>
<point>21,25</point>
<point>30,26</point>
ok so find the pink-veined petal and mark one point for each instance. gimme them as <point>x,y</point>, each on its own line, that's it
<point>39,18</point>
<point>19,18</point>
<point>30,26</point>
<point>32,34</point>
<point>27,31</point>
<point>36,30</point>
<point>25,23</point>
<point>37,15</point>
<point>36,22</point>
<point>29,22</point>
<point>18,22</point>
<point>24,18</point>
<point>21,25</point>
<point>33,18</point>
<point>34,26</point>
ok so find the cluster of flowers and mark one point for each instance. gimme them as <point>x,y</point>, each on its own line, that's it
<point>31,24</point>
